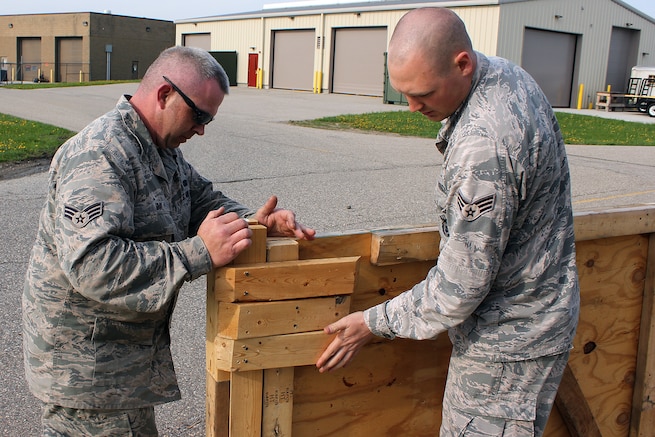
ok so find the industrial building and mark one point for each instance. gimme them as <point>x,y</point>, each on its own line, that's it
<point>573,48</point>
<point>84,46</point>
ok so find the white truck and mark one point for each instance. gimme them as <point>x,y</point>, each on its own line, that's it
<point>641,89</point>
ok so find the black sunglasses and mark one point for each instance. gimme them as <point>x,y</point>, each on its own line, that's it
<point>199,116</point>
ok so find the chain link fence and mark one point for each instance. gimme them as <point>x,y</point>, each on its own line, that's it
<point>44,72</point>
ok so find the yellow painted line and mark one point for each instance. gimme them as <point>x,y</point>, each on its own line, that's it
<point>618,196</point>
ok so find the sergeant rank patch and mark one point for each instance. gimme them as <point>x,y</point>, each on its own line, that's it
<point>471,210</point>
<point>85,216</point>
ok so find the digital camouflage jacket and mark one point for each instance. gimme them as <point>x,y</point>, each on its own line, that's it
<point>505,284</point>
<point>116,241</point>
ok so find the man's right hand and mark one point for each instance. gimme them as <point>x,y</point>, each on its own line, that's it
<point>224,235</point>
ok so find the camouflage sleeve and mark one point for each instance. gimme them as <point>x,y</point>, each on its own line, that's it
<point>477,197</point>
<point>94,233</point>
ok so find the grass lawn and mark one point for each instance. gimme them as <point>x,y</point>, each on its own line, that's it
<point>23,140</point>
<point>31,85</point>
<point>577,129</point>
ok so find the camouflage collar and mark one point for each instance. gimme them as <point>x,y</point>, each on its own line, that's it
<point>448,125</point>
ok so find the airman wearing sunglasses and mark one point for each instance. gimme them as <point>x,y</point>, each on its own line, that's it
<point>127,221</point>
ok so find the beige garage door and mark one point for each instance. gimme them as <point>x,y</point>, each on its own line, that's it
<point>70,60</point>
<point>29,57</point>
<point>358,66</point>
<point>293,59</point>
<point>198,40</point>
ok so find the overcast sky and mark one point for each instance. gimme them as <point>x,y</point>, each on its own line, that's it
<point>175,9</point>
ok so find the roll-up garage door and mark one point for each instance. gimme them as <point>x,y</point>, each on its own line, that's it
<point>29,57</point>
<point>198,40</point>
<point>293,59</point>
<point>549,57</point>
<point>70,59</point>
<point>358,66</point>
<point>624,49</point>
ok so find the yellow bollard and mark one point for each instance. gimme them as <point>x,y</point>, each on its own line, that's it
<point>13,74</point>
<point>260,79</point>
<point>319,82</point>
<point>52,77</point>
<point>80,76</point>
<point>580,93</point>
<point>609,88</point>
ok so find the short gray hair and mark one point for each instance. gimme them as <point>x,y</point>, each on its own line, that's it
<point>202,63</point>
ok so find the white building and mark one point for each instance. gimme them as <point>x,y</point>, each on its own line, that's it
<point>340,48</point>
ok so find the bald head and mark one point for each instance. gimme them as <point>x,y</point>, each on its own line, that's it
<point>435,34</point>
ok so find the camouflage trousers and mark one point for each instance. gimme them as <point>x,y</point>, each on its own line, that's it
<point>511,399</point>
<point>70,422</point>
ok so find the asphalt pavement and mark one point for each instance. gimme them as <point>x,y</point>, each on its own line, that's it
<point>335,180</point>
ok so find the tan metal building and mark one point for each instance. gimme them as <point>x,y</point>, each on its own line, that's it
<point>82,46</point>
<point>340,48</point>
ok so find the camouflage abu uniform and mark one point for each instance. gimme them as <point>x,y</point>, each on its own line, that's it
<point>116,241</point>
<point>505,284</point>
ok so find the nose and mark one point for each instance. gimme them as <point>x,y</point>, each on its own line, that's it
<point>414,104</point>
<point>199,129</point>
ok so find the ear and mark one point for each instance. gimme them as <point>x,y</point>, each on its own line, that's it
<point>465,63</point>
<point>163,93</point>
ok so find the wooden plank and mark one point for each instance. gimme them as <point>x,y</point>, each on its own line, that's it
<point>277,409</point>
<point>261,319</point>
<point>574,409</point>
<point>270,352</point>
<point>643,401</point>
<point>277,413</point>
<point>256,253</point>
<point>281,249</point>
<point>404,245</point>
<point>375,284</point>
<point>286,280</point>
<point>336,245</point>
<point>246,403</point>
<point>218,386</point>
<point>391,388</point>
<point>605,346</point>
<point>615,223</point>
<point>217,405</point>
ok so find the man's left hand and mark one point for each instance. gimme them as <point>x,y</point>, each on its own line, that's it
<point>282,222</point>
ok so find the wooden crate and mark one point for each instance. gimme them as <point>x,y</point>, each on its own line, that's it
<point>261,346</point>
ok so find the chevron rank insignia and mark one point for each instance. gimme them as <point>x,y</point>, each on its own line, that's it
<point>85,216</point>
<point>471,210</point>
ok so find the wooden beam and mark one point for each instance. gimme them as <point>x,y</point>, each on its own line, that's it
<point>404,245</point>
<point>218,383</point>
<point>573,407</point>
<point>286,280</point>
<point>336,245</point>
<point>217,405</point>
<point>277,403</point>
<point>277,413</point>
<point>614,223</point>
<point>261,319</point>
<point>246,390</point>
<point>270,352</point>
<point>643,403</point>
<point>281,249</point>
<point>256,253</point>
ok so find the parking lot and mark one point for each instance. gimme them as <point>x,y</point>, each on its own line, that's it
<point>335,180</point>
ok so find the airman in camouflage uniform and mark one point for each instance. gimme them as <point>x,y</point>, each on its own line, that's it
<point>127,221</point>
<point>505,284</point>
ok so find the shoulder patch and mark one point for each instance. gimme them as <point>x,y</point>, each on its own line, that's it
<point>471,210</point>
<point>85,216</point>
